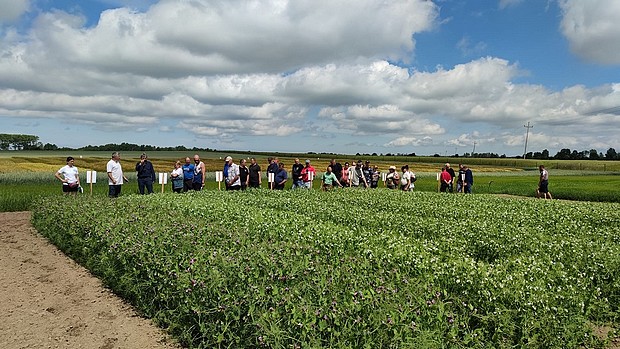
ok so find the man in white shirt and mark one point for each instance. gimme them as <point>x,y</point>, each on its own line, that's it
<point>233,181</point>
<point>115,175</point>
<point>69,177</point>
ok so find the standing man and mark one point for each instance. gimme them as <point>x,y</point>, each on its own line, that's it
<point>115,175</point>
<point>254,178</point>
<point>69,177</point>
<point>307,173</point>
<point>296,174</point>
<point>543,184</point>
<point>446,179</point>
<point>336,169</point>
<point>272,168</point>
<point>356,176</point>
<point>244,173</point>
<point>146,174</point>
<point>188,174</point>
<point>450,170</point>
<point>198,181</point>
<point>367,170</point>
<point>233,180</point>
<point>280,178</point>
<point>465,180</point>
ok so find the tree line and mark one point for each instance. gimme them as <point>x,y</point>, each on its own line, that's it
<point>31,142</point>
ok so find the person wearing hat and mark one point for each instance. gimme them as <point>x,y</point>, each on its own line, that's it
<point>392,178</point>
<point>233,180</point>
<point>307,175</point>
<point>146,174</point>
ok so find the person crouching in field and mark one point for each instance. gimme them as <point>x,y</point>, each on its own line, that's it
<point>69,177</point>
<point>543,184</point>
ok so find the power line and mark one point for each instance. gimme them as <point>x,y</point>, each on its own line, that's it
<point>612,110</point>
<point>527,133</point>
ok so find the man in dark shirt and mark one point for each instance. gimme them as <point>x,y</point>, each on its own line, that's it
<point>296,174</point>
<point>254,179</point>
<point>146,174</point>
<point>450,170</point>
<point>336,169</point>
<point>272,168</point>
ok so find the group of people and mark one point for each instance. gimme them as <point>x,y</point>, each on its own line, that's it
<point>191,176</point>
<point>464,180</point>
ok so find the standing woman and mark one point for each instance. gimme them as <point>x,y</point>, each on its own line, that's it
<point>69,177</point>
<point>405,179</point>
<point>177,177</point>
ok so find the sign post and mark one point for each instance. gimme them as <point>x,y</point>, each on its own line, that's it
<point>310,178</point>
<point>271,177</point>
<point>462,182</point>
<point>163,180</point>
<point>219,177</point>
<point>91,177</point>
<point>438,182</point>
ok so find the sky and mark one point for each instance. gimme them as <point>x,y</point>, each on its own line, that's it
<point>343,76</point>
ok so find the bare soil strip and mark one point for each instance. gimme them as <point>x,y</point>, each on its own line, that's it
<point>49,301</point>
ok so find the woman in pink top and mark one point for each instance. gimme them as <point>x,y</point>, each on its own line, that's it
<point>344,178</point>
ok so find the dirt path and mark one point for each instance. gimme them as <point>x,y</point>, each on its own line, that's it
<point>48,301</point>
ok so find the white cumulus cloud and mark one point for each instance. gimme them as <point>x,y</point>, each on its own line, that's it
<point>11,10</point>
<point>592,30</point>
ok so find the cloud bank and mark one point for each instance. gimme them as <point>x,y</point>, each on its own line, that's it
<point>284,68</point>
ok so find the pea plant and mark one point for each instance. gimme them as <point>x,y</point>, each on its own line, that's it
<point>351,269</point>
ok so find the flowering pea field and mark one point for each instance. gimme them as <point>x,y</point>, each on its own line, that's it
<point>352,268</point>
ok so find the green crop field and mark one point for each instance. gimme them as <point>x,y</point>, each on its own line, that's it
<point>354,268</point>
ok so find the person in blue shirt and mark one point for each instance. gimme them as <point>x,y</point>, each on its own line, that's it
<point>146,174</point>
<point>188,174</point>
<point>280,178</point>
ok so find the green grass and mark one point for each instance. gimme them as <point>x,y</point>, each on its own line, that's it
<point>19,190</point>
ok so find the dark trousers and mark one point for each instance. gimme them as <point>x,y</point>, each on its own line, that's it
<point>197,186</point>
<point>145,182</point>
<point>187,184</point>
<point>114,190</point>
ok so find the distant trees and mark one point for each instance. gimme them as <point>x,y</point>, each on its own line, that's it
<point>31,142</point>
<point>19,142</point>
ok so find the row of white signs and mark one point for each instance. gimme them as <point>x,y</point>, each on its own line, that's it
<point>91,177</point>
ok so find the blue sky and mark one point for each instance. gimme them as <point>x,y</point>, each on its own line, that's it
<point>337,76</point>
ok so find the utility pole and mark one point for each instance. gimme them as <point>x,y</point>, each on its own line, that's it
<point>527,133</point>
